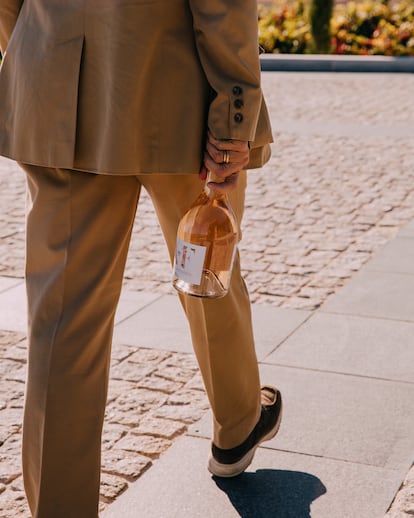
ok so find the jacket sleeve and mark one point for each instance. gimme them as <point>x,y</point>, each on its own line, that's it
<point>9,11</point>
<point>226,36</point>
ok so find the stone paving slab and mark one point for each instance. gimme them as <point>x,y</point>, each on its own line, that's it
<point>278,484</point>
<point>396,256</point>
<point>13,314</point>
<point>131,303</point>
<point>354,419</point>
<point>8,282</point>
<point>346,344</point>
<point>407,230</point>
<point>162,324</point>
<point>376,294</point>
<point>157,321</point>
<point>273,325</point>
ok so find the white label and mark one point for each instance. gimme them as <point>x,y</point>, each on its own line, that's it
<point>189,261</point>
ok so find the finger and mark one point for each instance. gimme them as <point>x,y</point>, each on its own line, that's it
<point>236,145</point>
<point>233,157</point>
<point>222,170</point>
<point>229,184</point>
<point>216,154</point>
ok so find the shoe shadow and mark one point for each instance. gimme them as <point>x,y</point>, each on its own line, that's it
<point>272,493</point>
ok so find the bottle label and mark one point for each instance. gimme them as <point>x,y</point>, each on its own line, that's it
<point>189,261</point>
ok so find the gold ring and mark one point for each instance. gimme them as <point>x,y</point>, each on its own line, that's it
<point>226,157</point>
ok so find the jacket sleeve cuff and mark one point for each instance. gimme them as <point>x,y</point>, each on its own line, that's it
<point>226,38</point>
<point>232,117</point>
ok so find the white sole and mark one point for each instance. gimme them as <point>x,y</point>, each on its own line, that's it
<point>232,470</point>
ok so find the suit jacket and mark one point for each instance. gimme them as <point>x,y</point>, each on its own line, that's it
<point>129,86</point>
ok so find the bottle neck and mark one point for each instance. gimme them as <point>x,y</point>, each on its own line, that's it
<point>212,193</point>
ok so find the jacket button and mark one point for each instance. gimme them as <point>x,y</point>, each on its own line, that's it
<point>238,103</point>
<point>238,117</point>
<point>237,90</point>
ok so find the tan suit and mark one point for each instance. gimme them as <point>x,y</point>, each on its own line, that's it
<point>126,88</point>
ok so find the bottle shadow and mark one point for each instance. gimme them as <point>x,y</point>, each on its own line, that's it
<point>272,493</point>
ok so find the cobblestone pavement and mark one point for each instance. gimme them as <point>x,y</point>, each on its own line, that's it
<point>339,185</point>
<point>153,397</point>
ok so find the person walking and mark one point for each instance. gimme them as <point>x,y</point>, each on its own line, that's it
<point>99,99</point>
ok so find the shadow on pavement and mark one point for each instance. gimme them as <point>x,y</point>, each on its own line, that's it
<point>272,493</point>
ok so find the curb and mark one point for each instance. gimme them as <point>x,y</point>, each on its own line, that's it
<point>334,63</point>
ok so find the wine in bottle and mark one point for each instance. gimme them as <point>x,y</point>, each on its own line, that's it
<point>206,245</point>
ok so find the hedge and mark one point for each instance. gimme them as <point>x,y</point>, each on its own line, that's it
<point>361,27</point>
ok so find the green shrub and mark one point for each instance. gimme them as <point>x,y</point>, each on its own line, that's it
<point>370,27</point>
<point>284,28</point>
<point>359,27</point>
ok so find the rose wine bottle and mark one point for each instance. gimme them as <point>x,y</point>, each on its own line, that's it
<point>206,245</point>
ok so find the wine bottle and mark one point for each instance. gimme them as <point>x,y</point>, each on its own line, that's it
<point>206,245</point>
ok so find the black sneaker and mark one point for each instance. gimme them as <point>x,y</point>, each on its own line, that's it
<point>233,461</point>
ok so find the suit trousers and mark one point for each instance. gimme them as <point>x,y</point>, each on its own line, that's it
<point>78,231</point>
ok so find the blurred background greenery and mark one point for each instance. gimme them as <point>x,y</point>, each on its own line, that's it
<point>360,27</point>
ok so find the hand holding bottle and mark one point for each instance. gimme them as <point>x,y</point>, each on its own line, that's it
<point>225,159</point>
<point>206,245</point>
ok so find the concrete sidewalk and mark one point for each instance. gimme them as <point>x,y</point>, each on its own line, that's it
<point>347,440</point>
<point>346,373</point>
<point>339,186</point>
